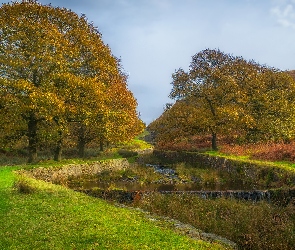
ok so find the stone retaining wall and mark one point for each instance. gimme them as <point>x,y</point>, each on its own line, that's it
<point>278,197</point>
<point>60,175</point>
<point>262,174</point>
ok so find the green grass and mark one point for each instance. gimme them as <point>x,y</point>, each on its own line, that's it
<point>136,144</point>
<point>142,135</point>
<point>54,217</point>
<point>142,144</point>
<point>245,158</point>
<point>15,160</point>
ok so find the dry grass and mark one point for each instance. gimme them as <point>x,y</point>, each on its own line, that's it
<point>250,225</point>
<point>263,151</point>
<point>267,151</point>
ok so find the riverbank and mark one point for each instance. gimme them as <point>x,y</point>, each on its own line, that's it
<point>260,173</point>
<point>41,215</point>
<point>252,225</point>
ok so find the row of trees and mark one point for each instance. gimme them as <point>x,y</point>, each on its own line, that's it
<point>225,95</point>
<point>58,79</point>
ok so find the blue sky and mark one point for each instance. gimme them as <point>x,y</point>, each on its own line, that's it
<point>153,38</point>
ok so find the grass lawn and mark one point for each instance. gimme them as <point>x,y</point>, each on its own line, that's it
<point>289,166</point>
<point>54,217</point>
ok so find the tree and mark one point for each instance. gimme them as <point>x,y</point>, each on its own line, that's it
<point>178,121</point>
<point>233,95</point>
<point>111,117</point>
<point>270,103</point>
<point>121,121</point>
<point>85,104</point>
<point>291,73</point>
<point>43,50</point>
<point>210,86</point>
<point>12,128</point>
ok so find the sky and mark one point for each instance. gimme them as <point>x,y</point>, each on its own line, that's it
<point>153,38</point>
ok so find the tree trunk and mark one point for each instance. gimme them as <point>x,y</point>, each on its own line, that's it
<point>81,147</point>
<point>58,149</point>
<point>101,144</point>
<point>214,141</point>
<point>81,142</point>
<point>32,135</point>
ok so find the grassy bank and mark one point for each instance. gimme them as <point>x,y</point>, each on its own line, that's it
<point>250,225</point>
<point>290,166</point>
<point>53,217</point>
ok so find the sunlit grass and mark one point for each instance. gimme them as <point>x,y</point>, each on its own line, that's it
<point>92,154</point>
<point>246,158</point>
<point>136,144</point>
<point>53,217</point>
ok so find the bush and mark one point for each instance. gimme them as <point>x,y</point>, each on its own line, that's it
<point>23,185</point>
<point>127,153</point>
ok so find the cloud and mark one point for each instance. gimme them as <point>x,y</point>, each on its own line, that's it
<point>155,37</point>
<point>284,11</point>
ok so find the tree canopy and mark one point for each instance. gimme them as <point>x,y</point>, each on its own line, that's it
<point>54,69</point>
<point>230,96</point>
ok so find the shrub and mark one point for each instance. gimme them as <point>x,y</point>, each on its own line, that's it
<point>23,185</point>
<point>127,153</point>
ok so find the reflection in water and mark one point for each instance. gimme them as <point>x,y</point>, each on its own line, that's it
<point>135,186</point>
<point>175,184</point>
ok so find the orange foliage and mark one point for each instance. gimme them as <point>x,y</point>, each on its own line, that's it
<point>258,151</point>
<point>267,151</point>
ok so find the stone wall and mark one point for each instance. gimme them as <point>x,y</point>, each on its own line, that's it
<point>261,174</point>
<point>278,197</point>
<point>60,175</point>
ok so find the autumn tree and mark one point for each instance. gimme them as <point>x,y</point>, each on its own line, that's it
<point>209,86</point>
<point>291,73</point>
<point>121,122</point>
<point>271,106</point>
<point>84,102</point>
<point>177,122</point>
<point>110,117</point>
<point>12,128</point>
<point>266,101</point>
<point>47,53</point>
<point>233,95</point>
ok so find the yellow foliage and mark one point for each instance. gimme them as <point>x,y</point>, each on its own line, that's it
<point>55,69</point>
<point>227,95</point>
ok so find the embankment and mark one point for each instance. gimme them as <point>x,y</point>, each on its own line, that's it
<point>268,175</point>
<point>60,175</point>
